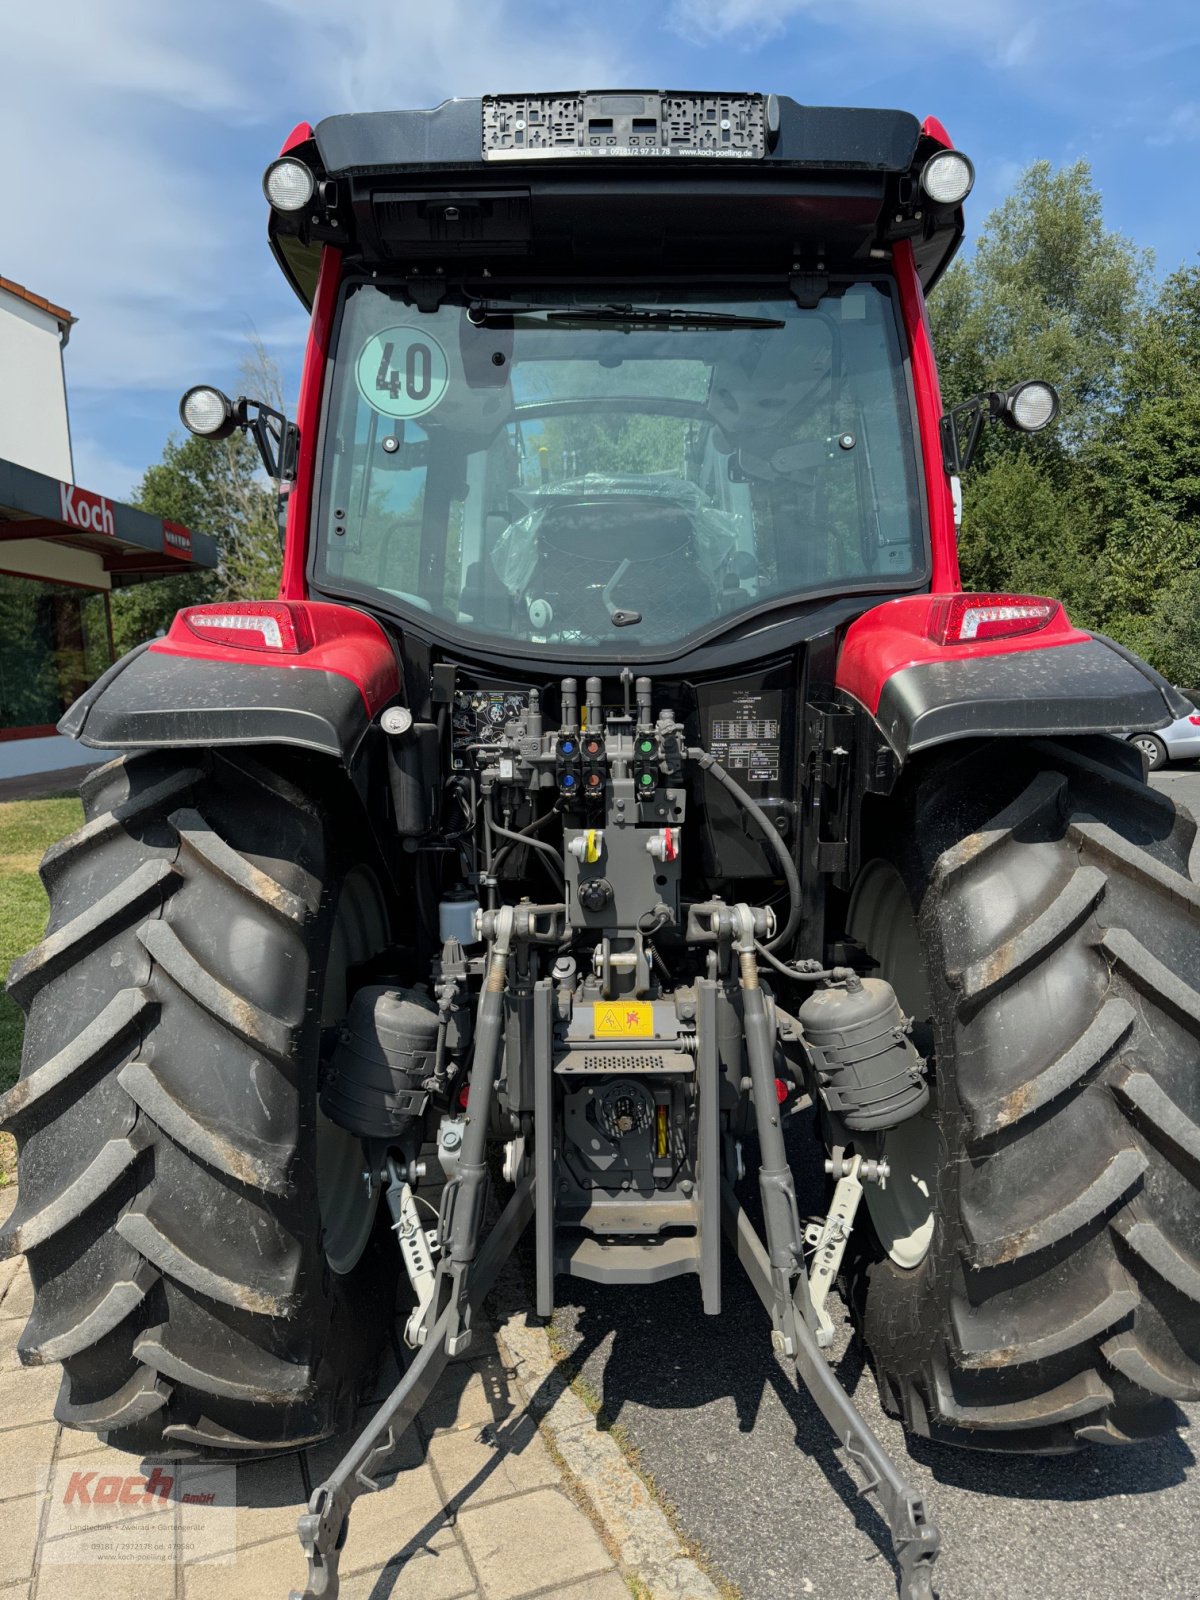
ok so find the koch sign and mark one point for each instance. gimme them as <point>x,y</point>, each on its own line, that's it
<point>81,509</point>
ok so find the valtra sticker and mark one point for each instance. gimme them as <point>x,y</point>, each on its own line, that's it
<point>402,371</point>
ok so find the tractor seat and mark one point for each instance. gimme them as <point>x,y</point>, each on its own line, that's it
<point>581,547</point>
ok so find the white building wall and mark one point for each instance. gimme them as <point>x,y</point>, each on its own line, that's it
<point>56,563</point>
<point>33,399</point>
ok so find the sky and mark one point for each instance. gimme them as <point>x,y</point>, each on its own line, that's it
<point>134,135</point>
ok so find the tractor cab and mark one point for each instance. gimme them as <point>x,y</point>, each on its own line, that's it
<point>609,374</point>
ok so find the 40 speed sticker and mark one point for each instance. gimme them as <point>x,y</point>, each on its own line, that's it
<point>402,371</point>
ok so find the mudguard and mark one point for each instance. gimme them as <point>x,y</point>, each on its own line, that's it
<point>184,691</point>
<point>1058,682</point>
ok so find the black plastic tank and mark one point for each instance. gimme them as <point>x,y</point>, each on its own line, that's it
<point>384,1054</point>
<point>868,1068</point>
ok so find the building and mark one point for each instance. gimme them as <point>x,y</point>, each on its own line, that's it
<point>63,548</point>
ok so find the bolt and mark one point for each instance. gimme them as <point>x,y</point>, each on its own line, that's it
<point>451,1139</point>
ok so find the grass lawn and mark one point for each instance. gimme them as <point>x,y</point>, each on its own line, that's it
<point>27,829</point>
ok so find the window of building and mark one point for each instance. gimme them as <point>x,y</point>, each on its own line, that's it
<point>54,643</point>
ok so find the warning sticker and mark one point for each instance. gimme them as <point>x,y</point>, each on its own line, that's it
<point>623,1019</point>
<point>403,372</point>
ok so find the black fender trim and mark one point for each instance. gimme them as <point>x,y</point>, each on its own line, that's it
<point>150,700</point>
<point>1072,689</point>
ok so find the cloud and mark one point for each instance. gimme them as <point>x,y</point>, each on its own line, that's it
<point>117,218</point>
<point>1181,126</point>
<point>98,469</point>
<point>990,26</point>
<point>370,57</point>
<point>135,132</point>
<point>118,48</point>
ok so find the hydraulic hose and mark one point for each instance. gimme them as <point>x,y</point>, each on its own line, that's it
<point>547,850</point>
<point>773,837</point>
<point>805,972</point>
<point>535,826</point>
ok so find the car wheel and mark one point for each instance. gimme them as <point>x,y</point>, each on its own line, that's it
<point>1152,747</point>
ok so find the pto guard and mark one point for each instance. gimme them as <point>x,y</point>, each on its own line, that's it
<point>1056,681</point>
<point>319,687</point>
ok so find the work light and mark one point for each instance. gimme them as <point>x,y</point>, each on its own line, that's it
<point>947,178</point>
<point>1032,405</point>
<point>288,184</point>
<point>207,412</point>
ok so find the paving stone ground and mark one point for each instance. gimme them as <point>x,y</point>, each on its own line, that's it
<point>476,1507</point>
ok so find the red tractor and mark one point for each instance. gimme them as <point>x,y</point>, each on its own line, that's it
<point>620,777</point>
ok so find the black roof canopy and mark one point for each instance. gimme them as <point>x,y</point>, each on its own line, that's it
<point>617,183</point>
<point>452,134</point>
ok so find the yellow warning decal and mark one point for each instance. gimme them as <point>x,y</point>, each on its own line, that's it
<point>623,1019</point>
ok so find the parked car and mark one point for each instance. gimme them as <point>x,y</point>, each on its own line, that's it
<point>1179,741</point>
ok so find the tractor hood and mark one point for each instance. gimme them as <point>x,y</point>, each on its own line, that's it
<point>617,181</point>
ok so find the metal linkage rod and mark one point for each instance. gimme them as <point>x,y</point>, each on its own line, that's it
<point>785,1238</point>
<point>323,1526</point>
<point>465,1274</point>
<point>915,1538</point>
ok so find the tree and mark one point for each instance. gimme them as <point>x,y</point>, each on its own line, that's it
<point>218,489</point>
<point>1104,510</point>
<point>1049,293</point>
<point>1145,463</point>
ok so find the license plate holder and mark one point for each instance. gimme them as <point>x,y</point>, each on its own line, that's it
<point>644,124</point>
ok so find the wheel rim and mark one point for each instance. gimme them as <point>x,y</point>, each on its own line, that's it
<point>881,918</point>
<point>1151,749</point>
<point>348,1206</point>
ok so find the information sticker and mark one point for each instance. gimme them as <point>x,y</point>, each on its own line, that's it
<point>403,371</point>
<point>623,1019</point>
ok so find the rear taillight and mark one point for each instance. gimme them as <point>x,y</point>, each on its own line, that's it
<point>1195,721</point>
<point>251,625</point>
<point>972,618</point>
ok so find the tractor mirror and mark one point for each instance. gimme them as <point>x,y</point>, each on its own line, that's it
<point>210,414</point>
<point>1027,407</point>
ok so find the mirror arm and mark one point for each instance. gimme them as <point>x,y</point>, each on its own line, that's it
<point>957,452</point>
<point>277,439</point>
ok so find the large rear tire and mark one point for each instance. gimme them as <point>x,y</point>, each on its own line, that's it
<point>200,1290</point>
<point>1033,906</point>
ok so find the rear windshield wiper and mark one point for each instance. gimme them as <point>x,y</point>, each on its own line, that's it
<point>481,312</point>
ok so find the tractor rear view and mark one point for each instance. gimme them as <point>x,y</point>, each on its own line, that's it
<point>620,774</point>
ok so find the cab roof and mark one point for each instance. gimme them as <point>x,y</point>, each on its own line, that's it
<point>616,182</point>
